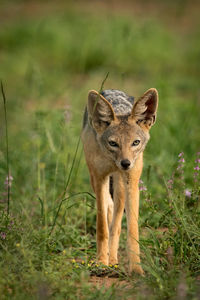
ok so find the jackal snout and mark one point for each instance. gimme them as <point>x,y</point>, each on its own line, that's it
<point>125,163</point>
<point>125,159</point>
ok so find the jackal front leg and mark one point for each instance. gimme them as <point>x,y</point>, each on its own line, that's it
<point>115,228</point>
<point>101,186</point>
<point>132,210</point>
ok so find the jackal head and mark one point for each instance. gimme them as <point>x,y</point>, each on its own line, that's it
<point>122,137</point>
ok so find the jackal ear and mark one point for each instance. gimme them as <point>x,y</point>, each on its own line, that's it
<point>144,110</point>
<point>100,111</point>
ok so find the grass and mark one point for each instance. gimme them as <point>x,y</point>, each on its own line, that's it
<point>49,61</point>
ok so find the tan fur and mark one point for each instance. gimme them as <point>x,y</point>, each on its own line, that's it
<point>103,160</point>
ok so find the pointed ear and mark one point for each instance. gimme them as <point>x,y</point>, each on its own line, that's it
<point>100,111</point>
<point>144,110</point>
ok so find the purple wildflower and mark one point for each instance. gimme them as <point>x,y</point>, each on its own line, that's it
<point>195,176</point>
<point>180,166</point>
<point>188,193</point>
<point>142,187</point>
<point>197,168</point>
<point>170,183</point>
<point>3,235</point>
<point>181,154</point>
<point>8,181</point>
<point>182,160</point>
<point>7,186</point>
<point>10,177</point>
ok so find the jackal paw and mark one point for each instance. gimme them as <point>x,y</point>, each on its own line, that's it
<point>103,260</point>
<point>136,268</point>
<point>113,261</point>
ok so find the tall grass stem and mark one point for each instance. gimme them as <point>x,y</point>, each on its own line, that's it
<point>102,84</point>
<point>7,148</point>
<point>66,186</point>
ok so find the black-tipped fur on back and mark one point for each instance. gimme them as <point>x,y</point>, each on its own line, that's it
<point>122,103</point>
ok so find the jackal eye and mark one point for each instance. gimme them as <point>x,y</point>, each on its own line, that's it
<point>113,144</point>
<point>136,142</point>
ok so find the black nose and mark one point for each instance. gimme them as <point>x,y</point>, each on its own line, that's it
<point>125,163</point>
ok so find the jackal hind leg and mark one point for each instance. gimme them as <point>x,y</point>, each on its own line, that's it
<point>115,228</point>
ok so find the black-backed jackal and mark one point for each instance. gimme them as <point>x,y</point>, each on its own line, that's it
<point>115,133</point>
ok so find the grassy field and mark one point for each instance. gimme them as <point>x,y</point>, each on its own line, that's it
<point>50,56</point>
